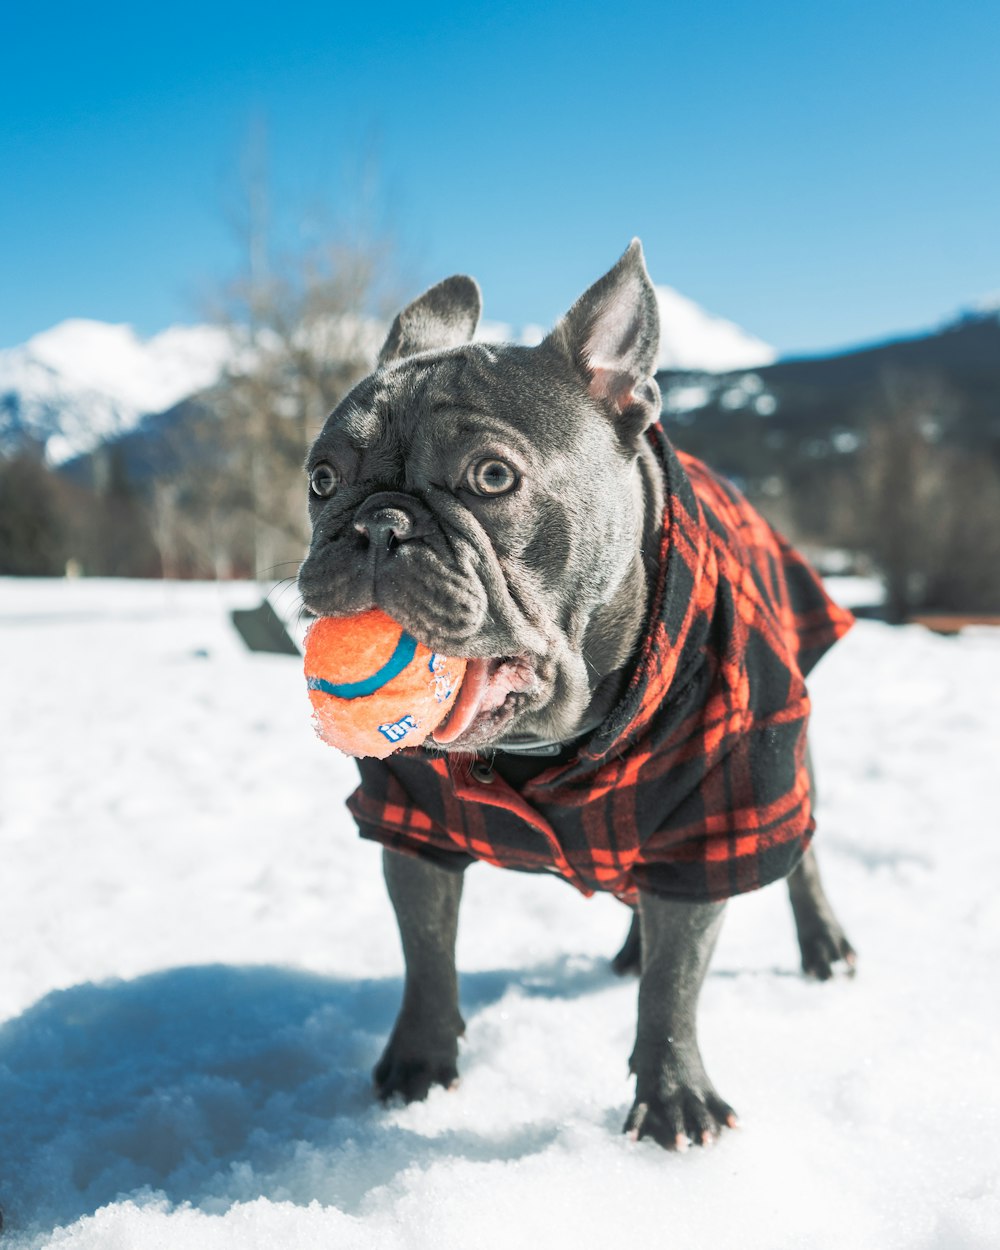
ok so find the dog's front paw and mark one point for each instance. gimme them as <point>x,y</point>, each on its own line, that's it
<point>416,1059</point>
<point>681,1117</point>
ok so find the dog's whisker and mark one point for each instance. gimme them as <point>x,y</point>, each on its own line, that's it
<point>281,590</point>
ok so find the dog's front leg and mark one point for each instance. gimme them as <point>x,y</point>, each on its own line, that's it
<point>423,1048</point>
<point>675,1102</point>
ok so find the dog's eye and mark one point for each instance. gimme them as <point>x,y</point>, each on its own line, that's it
<point>492,477</point>
<point>324,480</point>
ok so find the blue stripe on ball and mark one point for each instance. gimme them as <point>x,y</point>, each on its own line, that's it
<point>400,658</point>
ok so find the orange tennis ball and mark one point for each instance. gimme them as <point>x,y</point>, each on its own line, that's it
<point>374,689</point>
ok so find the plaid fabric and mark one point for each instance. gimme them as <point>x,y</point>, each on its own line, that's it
<point>695,787</point>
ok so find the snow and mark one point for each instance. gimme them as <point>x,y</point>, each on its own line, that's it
<point>678,399</point>
<point>149,375</point>
<point>985,305</point>
<point>200,968</point>
<point>688,393</point>
<point>529,335</point>
<point>82,381</point>
<point>691,338</point>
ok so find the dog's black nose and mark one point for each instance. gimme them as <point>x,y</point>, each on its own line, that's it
<point>386,526</point>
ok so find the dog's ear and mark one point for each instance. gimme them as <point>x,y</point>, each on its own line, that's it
<point>612,335</point>
<point>444,316</point>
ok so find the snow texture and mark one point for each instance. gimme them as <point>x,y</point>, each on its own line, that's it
<point>200,968</point>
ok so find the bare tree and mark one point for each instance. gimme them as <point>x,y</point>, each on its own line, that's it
<point>965,572</point>
<point>930,507</point>
<point>901,483</point>
<point>304,327</point>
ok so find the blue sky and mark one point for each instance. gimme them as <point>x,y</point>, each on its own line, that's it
<point>822,174</point>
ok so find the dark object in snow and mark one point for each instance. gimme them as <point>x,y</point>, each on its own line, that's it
<point>951,623</point>
<point>263,630</point>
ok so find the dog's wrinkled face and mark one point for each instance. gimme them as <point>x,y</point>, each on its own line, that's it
<point>487,498</point>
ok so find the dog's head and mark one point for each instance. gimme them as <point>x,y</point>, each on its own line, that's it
<point>489,499</point>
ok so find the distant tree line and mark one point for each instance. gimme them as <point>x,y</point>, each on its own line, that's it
<point>925,507</point>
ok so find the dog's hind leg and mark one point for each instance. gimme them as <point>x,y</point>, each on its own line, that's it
<point>628,961</point>
<point>822,941</point>
<point>423,1048</point>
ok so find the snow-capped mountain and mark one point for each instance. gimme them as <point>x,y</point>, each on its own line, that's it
<point>691,338</point>
<point>70,388</point>
<point>985,306</point>
<point>83,383</point>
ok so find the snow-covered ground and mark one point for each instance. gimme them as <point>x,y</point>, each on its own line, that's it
<point>199,967</point>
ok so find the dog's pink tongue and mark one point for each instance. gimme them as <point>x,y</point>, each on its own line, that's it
<point>470,698</point>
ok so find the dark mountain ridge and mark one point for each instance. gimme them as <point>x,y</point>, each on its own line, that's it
<point>753,423</point>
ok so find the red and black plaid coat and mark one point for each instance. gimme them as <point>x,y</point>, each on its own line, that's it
<point>695,787</point>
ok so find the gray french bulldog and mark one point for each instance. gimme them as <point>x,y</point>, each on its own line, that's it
<point>505,505</point>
